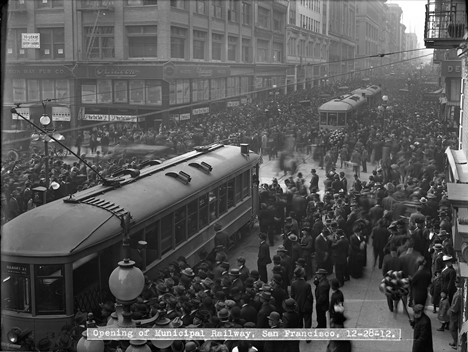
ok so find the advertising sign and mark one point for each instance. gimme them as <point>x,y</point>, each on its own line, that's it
<point>30,41</point>
<point>22,111</point>
<point>185,116</point>
<point>231,104</point>
<point>96,117</point>
<point>200,111</point>
<point>61,113</point>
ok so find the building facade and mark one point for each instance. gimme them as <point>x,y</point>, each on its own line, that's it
<point>132,61</point>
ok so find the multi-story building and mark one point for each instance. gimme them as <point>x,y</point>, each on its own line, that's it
<point>307,42</point>
<point>395,31</point>
<point>368,35</point>
<point>411,45</point>
<point>131,61</point>
<point>342,33</point>
<point>446,27</point>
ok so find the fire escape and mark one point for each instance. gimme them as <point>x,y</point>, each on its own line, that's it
<point>94,10</point>
<point>446,23</point>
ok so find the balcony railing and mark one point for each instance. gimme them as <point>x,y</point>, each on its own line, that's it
<point>96,5</point>
<point>446,23</point>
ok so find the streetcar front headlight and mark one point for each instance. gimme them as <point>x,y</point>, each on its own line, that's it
<point>13,335</point>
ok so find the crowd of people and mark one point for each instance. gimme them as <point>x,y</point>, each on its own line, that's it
<point>325,226</point>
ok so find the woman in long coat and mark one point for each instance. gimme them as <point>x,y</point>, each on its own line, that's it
<point>357,251</point>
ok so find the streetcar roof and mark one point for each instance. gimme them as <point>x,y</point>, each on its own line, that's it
<point>342,104</point>
<point>61,229</point>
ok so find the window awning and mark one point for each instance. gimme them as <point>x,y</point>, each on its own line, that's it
<point>458,165</point>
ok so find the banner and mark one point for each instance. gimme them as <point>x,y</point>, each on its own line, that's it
<point>22,111</point>
<point>96,117</point>
<point>200,111</point>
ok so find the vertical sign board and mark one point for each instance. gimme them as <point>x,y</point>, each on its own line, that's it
<point>61,113</point>
<point>30,40</point>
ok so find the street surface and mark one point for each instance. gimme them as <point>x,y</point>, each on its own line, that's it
<point>365,305</point>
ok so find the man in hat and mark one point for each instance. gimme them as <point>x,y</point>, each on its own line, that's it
<point>322,293</point>
<point>265,309</point>
<point>437,264</point>
<point>278,292</point>
<point>340,249</point>
<point>295,248</point>
<point>322,249</point>
<point>454,313</point>
<point>380,235</point>
<point>421,243</point>
<point>422,336</point>
<point>221,237</point>
<point>263,257</point>
<point>291,320</point>
<point>218,269</point>
<point>448,277</point>
<point>236,280</point>
<point>314,181</point>
<point>357,253</point>
<point>248,311</point>
<point>274,322</point>
<point>301,292</point>
<point>420,283</point>
<point>244,272</point>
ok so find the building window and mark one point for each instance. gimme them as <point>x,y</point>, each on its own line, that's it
<point>201,7</point>
<point>277,52</point>
<point>179,92</point>
<point>37,90</point>
<point>292,46</point>
<point>41,4</point>
<point>200,90</point>
<point>104,91</point>
<point>278,24</point>
<point>246,50</point>
<point>99,42</point>
<point>263,19</point>
<point>218,88</point>
<point>246,14</point>
<point>141,2</point>
<point>52,43</point>
<point>13,46</point>
<point>178,36</point>
<point>232,11</point>
<point>199,44</point>
<point>232,48</point>
<point>292,17</point>
<point>179,4</point>
<point>233,86</point>
<point>142,41</point>
<point>217,46</point>
<point>121,91</point>
<point>153,92</point>
<point>262,50</point>
<point>217,6</point>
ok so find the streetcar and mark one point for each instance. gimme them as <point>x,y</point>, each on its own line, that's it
<point>372,93</point>
<point>57,258</point>
<point>339,112</point>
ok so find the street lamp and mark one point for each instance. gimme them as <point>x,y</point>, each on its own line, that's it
<point>383,108</point>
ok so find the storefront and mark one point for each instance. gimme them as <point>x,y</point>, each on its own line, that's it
<point>29,86</point>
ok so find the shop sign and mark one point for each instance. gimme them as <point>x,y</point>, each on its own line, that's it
<point>185,116</point>
<point>22,111</point>
<point>231,104</point>
<point>451,68</point>
<point>38,71</point>
<point>174,117</point>
<point>96,117</point>
<point>200,111</point>
<point>61,113</point>
<point>195,71</point>
<point>16,269</point>
<point>243,101</point>
<point>123,118</point>
<point>30,40</point>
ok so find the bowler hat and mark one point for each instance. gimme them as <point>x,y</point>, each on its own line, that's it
<point>292,238</point>
<point>447,258</point>
<point>281,248</point>
<point>438,246</point>
<point>289,303</point>
<point>188,272</point>
<point>274,316</point>
<point>234,272</point>
<point>322,271</point>
<point>223,315</point>
<point>418,308</point>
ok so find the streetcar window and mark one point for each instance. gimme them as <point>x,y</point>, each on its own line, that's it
<point>50,290</point>
<point>166,233</point>
<point>222,198</point>
<point>16,287</point>
<point>341,119</point>
<point>213,199</point>
<point>152,240</point>
<point>180,222</point>
<point>246,184</point>
<point>323,118</point>
<point>192,219</point>
<point>332,119</point>
<point>203,210</point>
<point>86,284</point>
<point>231,198</point>
<point>238,189</point>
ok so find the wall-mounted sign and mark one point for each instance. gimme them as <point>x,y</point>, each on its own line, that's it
<point>451,68</point>
<point>30,40</point>
<point>231,104</point>
<point>17,269</point>
<point>200,111</point>
<point>61,113</point>
<point>123,118</point>
<point>96,117</point>
<point>185,116</point>
<point>22,111</point>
